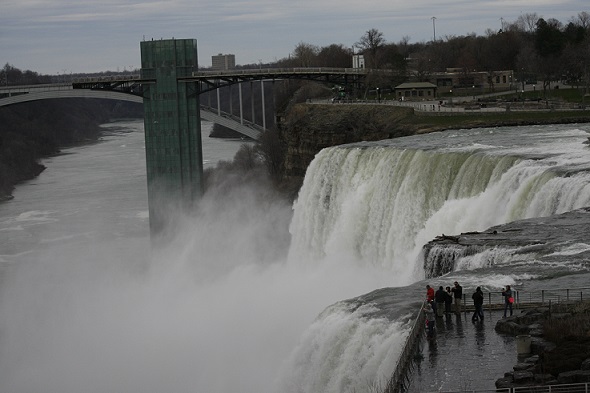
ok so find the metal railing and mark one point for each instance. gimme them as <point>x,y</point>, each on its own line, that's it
<point>396,382</point>
<point>565,388</point>
<point>543,297</point>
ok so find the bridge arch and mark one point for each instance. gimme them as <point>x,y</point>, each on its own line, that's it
<point>35,93</point>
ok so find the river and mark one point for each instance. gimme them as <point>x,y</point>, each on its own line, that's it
<point>252,295</point>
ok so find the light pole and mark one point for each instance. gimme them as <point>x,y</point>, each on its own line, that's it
<point>433,29</point>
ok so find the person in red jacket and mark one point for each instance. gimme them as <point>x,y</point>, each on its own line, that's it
<point>430,298</point>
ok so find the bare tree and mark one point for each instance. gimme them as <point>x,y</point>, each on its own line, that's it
<point>334,56</point>
<point>404,46</point>
<point>583,20</point>
<point>528,22</point>
<point>370,43</point>
<point>305,54</point>
<point>272,151</point>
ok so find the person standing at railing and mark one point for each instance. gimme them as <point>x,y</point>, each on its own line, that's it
<point>448,300</point>
<point>508,300</point>
<point>478,304</point>
<point>439,298</point>
<point>429,313</point>
<point>430,297</point>
<point>458,295</point>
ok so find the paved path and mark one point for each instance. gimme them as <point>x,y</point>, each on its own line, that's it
<point>463,355</point>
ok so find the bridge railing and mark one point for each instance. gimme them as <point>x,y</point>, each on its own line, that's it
<point>300,70</point>
<point>107,78</point>
<point>28,88</point>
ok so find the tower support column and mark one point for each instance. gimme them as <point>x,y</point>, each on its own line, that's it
<point>174,156</point>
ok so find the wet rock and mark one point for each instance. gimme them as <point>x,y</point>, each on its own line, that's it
<point>585,364</point>
<point>523,377</point>
<point>543,378</point>
<point>523,367</point>
<point>511,326</point>
<point>536,332</point>
<point>567,356</point>
<point>539,345</point>
<point>530,318</point>
<point>561,315</point>
<point>576,376</point>
<point>532,359</point>
<point>504,383</point>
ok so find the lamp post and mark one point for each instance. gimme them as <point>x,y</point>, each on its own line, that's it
<point>473,92</point>
<point>433,29</point>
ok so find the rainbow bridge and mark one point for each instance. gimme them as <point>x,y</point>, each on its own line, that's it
<point>170,86</point>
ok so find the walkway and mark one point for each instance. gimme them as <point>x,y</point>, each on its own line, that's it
<point>463,355</point>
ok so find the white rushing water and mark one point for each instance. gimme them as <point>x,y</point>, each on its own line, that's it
<point>236,303</point>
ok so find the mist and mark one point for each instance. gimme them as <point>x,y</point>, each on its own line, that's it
<point>220,308</point>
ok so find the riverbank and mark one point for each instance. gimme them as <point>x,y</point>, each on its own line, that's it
<point>34,130</point>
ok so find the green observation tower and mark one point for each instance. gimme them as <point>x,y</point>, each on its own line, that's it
<point>173,148</point>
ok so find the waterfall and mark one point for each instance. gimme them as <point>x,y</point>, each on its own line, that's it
<point>379,203</point>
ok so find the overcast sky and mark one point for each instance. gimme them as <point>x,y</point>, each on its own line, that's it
<point>71,36</point>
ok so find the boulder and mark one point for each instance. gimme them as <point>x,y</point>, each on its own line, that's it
<point>523,377</point>
<point>504,383</point>
<point>576,376</point>
<point>523,367</point>
<point>511,326</point>
<point>539,345</point>
<point>543,378</point>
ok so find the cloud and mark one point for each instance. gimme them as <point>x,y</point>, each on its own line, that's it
<point>253,29</point>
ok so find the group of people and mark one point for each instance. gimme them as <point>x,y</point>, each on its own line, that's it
<point>439,302</point>
<point>442,300</point>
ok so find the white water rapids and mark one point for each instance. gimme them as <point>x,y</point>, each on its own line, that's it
<point>235,303</point>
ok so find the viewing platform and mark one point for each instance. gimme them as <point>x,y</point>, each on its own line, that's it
<point>468,356</point>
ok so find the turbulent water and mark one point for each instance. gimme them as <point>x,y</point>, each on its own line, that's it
<point>237,303</point>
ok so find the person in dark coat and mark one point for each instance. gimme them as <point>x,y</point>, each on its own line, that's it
<point>458,296</point>
<point>439,298</point>
<point>448,300</point>
<point>478,303</point>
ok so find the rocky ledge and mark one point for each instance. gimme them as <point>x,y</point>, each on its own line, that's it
<point>558,355</point>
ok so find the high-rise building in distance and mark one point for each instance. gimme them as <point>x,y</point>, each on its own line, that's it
<point>223,62</point>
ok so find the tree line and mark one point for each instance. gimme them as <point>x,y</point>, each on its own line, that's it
<point>531,46</point>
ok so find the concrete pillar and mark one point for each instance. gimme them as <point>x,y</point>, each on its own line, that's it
<point>263,106</point>
<point>241,109</point>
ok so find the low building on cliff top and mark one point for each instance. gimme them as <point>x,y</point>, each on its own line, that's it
<point>412,91</point>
